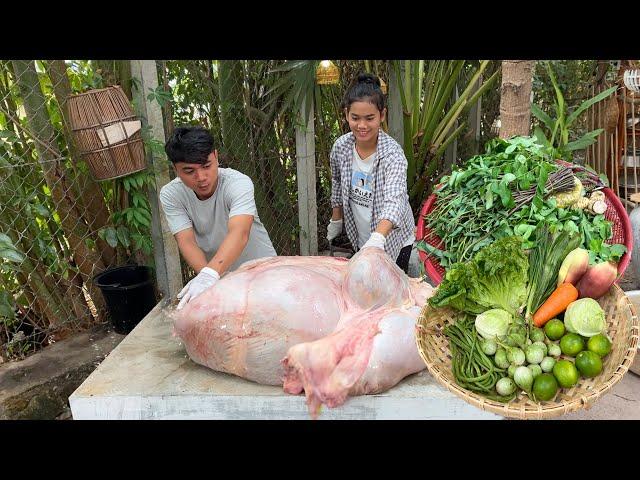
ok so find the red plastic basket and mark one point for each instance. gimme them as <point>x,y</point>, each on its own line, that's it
<point>616,213</point>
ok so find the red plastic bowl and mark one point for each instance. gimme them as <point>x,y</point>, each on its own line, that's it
<point>616,213</point>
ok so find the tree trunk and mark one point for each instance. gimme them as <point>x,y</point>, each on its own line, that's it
<point>515,97</point>
<point>94,209</point>
<point>17,221</point>
<point>167,110</point>
<point>123,69</point>
<point>49,156</point>
<point>48,305</point>
<point>89,194</point>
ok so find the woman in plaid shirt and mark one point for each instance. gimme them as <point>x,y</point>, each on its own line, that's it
<point>369,178</point>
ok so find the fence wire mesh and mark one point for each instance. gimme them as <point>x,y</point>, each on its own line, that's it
<point>253,133</point>
<point>52,213</point>
<point>59,227</point>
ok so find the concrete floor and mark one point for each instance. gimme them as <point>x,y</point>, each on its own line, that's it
<point>621,403</point>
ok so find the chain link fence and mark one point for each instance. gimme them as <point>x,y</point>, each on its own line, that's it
<point>331,123</point>
<point>53,215</point>
<point>253,132</point>
<point>59,227</point>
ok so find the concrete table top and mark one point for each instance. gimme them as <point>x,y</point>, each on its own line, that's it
<point>149,376</point>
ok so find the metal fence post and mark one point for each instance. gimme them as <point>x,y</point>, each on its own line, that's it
<point>165,248</point>
<point>306,175</point>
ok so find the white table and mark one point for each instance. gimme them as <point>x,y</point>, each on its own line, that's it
<point>149,376</point>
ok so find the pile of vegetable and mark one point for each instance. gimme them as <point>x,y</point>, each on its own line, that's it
<point>528,319</point>
<point>510,190</point>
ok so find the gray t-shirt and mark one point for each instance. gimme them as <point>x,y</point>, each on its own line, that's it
<point>209,218</point>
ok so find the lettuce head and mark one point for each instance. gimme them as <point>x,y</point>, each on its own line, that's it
<point>496,277</point>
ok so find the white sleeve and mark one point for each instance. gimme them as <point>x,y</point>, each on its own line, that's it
<point>174,212</point>
<point>241,199</point>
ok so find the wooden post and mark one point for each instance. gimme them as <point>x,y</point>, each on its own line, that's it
<point>306,174</point>
<point>165,248</point>
<point>394,109</point>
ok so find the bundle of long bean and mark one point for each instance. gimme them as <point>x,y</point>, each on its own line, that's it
<point>558,181</point>
<point>471,367</point>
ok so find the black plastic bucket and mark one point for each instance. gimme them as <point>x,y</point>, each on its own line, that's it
<point>129,294</point>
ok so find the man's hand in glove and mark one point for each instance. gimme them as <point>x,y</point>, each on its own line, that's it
<point>205,279</point>
<point>375,240</point>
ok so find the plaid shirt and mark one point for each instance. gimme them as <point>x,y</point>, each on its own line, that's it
<point>390,197</point>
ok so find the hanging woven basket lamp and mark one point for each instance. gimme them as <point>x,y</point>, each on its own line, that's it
<point>327,73</point>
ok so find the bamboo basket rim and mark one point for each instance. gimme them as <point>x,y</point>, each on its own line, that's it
<point>125,174</point>
<point>541,410</point>
<point>94,91</point>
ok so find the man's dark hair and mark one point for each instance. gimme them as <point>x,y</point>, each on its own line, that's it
<point>365,87</point>
<point>189,144</point>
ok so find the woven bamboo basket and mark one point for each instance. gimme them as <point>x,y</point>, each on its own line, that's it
<point>622,327</point>
<point>94,111</point>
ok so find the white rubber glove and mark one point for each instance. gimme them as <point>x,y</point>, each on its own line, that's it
<point>375,240</point>
<point>334,229</point>
<point>205,279</point>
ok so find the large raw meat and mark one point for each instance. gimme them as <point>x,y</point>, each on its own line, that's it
<point>328,326</point>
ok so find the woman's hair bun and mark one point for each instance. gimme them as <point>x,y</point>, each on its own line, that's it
<point>368,78</point>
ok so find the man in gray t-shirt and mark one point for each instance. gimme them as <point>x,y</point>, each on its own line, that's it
<point>211,211</point>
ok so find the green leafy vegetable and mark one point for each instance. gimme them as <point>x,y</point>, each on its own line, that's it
<point>508,191</point>
<point>495,278</point>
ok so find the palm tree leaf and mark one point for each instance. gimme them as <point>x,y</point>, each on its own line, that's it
<point>541,137</point>
<point>543,117</point>
<point>288,66</point>
<point>450,82</point>
<point>560,105</point>
<point>449,139</point>
<point>584,141</point>
<point>403,98</point>
<point>588,103</point>
<point>485,86</point>
<point>448,126</point>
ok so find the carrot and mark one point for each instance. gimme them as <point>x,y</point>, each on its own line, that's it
<point>557,303</point>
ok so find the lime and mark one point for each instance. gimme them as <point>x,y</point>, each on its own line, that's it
<point>545,387</point>
<point>554,329</point>
<point>599,344</point>
<point>566,373</point>
<point>589,364</point>
<point>571,344</point>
